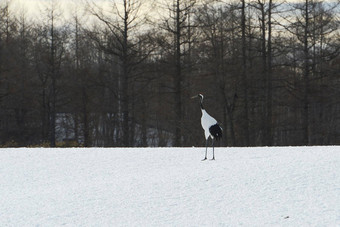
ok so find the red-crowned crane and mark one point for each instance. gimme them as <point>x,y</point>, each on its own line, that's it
<point>210,126</point>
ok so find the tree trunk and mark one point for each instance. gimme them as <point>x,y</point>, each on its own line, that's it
<point>178,79</point>
<point>125,80</point>
<point>244,76</point>
<point>305,111</point>
<point>269,132</point>
<point>53,85</point>
<point>263,82</point>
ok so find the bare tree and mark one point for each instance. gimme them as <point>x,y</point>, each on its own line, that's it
<point>265,10</point>
<point>54,38</point>
<point>219,27</point>
<point>122,23</point>
<point>244,74</point>
<point>81,72</point>
<point>176,25</point>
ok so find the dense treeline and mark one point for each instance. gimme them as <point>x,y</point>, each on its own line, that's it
<point>269,70</point>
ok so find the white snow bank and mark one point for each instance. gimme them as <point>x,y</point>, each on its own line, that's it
<point>285,186</point>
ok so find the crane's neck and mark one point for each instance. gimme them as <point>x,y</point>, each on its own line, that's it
<point>201,103</point>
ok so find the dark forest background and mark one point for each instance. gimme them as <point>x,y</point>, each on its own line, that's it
<point>269,71</point>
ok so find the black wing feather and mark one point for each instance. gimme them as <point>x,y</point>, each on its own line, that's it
<point>216,131</point>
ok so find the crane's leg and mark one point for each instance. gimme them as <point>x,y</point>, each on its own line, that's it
<point>213,150</point>
<point>206,150</point>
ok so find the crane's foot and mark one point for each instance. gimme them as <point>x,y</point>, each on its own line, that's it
<point>204,159</point>
<point>213,159</point>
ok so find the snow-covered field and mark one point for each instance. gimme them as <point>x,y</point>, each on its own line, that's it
<point>286,186</point>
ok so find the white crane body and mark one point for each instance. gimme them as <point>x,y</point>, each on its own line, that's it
<point>207,121</point>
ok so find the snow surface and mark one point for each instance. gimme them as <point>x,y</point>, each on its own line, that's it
<point>286,186</point>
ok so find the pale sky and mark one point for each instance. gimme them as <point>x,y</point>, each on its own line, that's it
<point>34,8</point>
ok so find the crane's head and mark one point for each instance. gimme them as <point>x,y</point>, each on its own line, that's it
<point>201,99</point>
<point>198,96</point>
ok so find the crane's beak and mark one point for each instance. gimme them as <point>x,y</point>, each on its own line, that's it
<point>195,96</point>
